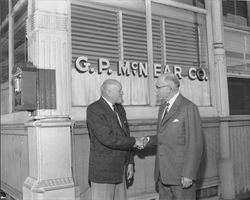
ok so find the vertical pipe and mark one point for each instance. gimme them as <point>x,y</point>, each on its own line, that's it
<point>152,97</point>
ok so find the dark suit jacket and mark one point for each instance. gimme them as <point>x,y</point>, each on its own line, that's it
<point>179,142</point>
<point>110,144</point>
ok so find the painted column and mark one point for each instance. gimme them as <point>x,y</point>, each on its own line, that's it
<point>50,170</point>
<point>226,163</point>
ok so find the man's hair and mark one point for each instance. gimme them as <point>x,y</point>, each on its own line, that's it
<point>171,77</point>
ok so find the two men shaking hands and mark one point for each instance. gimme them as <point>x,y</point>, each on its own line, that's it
<point>179,143</point>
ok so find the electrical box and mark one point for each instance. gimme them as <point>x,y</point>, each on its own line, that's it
<point>25,86</point>
<point>33,88</point>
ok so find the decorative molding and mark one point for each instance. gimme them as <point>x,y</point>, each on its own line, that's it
<point>181,6</point>
<point>50,122</point>
<point>12,127</point>
<point>236,27</point>
<point>239,70</point>
<point>218,45</point>
<point>152,196</point>
<point>46,21</point>
<point>41,186</point>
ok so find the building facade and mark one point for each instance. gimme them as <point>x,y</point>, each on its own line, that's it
<point>56,54</point>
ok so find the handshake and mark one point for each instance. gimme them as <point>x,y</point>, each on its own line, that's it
<point>140,143</point>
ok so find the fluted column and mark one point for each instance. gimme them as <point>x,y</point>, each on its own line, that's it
<point>49,139</point>
<point>226,163</point>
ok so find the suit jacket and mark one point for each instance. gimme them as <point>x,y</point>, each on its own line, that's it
<point>179,142</point>
<point>110,144</point>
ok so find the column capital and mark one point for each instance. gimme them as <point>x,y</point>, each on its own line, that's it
<point>46,21</point>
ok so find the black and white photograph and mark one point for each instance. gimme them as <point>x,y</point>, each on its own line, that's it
<point>125,99</point>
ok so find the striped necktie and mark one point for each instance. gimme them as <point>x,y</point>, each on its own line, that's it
<point>117,114</point>
<point>165,111</point>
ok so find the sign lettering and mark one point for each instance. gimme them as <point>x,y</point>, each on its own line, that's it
<point>127,68</point>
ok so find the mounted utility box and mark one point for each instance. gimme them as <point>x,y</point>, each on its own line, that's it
<point>25,82</point>
<point>33,88</point>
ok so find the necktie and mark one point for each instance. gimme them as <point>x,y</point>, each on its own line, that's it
<point>165,110</point>
<point>117,114</point>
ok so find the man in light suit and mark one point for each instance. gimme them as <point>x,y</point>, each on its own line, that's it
<point>110,144</point>
<point>179,142</point>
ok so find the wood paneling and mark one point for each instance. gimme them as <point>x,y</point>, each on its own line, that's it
<point>240,153</point>
<point>14,159</point>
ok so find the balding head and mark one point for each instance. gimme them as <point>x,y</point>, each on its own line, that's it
<point>111,89</point>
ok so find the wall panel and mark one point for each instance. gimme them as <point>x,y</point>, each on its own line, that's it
<point>240,152</point>
<point>14,159</point>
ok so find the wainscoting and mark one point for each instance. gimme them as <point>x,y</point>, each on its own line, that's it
<point>15,160</point>
<point>240,152</point>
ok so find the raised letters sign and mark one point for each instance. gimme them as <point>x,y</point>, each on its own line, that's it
<point>127,68</point>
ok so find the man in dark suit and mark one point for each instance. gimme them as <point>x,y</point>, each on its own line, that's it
<point>179,142</point>
<point>110,144</point>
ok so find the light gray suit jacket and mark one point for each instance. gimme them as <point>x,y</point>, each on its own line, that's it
<point>179,142</point>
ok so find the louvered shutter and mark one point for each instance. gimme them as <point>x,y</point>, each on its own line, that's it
<point>94,34</point>
<point>135,50</point>
<point>228,7</point>
<point>236,12</point>
<point>182,46</point>
<point>134,38</point>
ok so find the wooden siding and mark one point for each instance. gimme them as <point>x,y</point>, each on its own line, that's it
<point>239,134</point>
<point>14,159</point>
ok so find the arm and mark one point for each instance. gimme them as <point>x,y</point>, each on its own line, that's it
<point>99,126</point>
<point>194,149</point>
<point>152,141</point>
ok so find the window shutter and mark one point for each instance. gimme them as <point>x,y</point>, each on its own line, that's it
<point>235,11</point>
<point>134,38</point>
<point>182,46</point>
<point>228,7</point>
<point>241,9</point>
<point>94,34</point>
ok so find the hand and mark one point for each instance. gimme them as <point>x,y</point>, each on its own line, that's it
<point>130,172</point>
<point>145,141</point>
<point>139,143</point>
<point>186,182</point>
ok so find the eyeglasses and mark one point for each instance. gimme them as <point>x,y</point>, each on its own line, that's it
<point>159,87</point>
